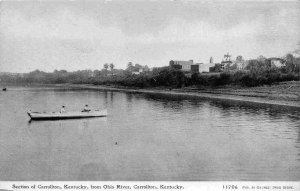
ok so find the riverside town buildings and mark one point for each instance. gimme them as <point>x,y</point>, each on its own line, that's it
<point>228,65</point>
<point>190,66</point>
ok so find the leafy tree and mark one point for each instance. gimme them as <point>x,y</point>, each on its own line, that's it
<point>258,66</point>
<point>290,64</point>
<point>239,59</point>
<point>138,66</point>
<point>261,58</point>
<point>297,68</point>
<point>105,66</point>
<point>130,67</point>
<point>111,65</point>
<point>146,68</point>
<point>129,64</point>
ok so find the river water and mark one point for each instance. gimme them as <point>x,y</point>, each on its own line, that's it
<point>146,137</point>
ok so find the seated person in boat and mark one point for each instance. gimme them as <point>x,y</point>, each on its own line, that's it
<point>86,109</point>
<point>62,110</point>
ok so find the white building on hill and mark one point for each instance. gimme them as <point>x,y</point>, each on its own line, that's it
<point>204,67</point>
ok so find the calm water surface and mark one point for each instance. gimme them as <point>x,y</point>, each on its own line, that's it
<point>158,138</point>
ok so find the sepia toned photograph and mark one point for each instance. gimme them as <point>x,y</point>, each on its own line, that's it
<point>171,90</point>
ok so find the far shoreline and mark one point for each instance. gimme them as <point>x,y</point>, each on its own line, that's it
<point>213,94</point>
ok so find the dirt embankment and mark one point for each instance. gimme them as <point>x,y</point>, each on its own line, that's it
<point>286,91</point>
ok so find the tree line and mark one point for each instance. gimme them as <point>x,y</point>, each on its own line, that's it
<point>258,72</point>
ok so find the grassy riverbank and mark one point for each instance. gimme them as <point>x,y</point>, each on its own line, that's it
<point>285,93</point>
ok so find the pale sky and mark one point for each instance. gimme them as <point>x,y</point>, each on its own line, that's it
<point>77,35</point>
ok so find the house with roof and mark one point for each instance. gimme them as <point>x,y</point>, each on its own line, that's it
<point>185,66</point>
<point>226,63</point>
<point>137,69</point>
<point>238,64</point>
<point>182,65</point>
<point>276,62</point>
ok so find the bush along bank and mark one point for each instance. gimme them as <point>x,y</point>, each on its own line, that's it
<point>247,79</point>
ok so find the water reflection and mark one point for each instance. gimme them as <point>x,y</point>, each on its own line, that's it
<point>62,123</point>
<point>274,111</point>
<point>226,106</point>
<point>159,137</point>
<point>261,115</point>
<point>105,93</point>
<point>112,96</point>
<point>129,97</point>
<point>298,140</point>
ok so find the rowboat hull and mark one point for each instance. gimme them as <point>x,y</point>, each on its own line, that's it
<point>66,115</point>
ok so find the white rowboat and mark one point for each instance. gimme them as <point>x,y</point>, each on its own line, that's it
<point>66,115</point>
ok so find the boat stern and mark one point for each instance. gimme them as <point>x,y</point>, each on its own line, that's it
<point>29,114</point>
